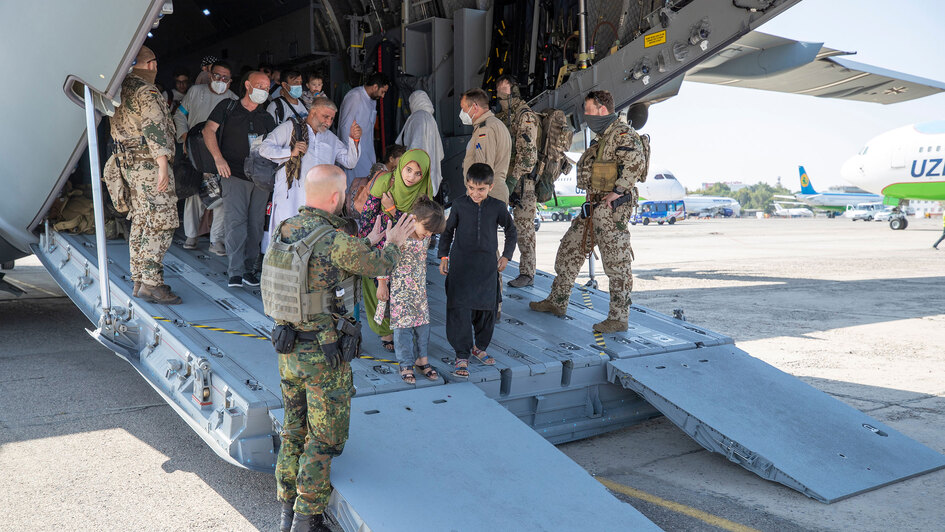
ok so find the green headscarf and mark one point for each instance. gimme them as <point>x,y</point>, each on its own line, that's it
<point>404,196</point>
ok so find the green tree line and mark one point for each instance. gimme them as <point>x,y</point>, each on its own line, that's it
<point>758,196</point>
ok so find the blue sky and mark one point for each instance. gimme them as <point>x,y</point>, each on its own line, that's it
<point>713,133</point>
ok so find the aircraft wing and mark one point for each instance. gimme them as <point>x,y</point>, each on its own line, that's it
<point>767,62</point>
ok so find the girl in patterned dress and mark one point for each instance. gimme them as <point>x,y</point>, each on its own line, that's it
<point>409,311</point>
<point>391,196</point>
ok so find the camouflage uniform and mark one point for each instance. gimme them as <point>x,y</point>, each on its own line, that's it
<point>316,396</point>
<point>623,145</point>
<point>524,127</point>
<point>143,131</point>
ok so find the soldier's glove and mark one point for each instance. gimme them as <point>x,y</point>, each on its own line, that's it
<point>332,354</point>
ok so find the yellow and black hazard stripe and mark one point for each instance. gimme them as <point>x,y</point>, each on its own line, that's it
<point>254,336</point>
<point>369,357</point>
<point>214,329</point>
<point>598,337</point>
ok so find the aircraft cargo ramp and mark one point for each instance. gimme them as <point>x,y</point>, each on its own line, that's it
<point>210,358</point>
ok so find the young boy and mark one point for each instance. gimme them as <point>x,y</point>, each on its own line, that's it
<point>467,258</point>
<point>394,153</point>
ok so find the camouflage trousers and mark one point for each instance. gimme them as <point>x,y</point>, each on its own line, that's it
<point>613,241</point>
<point>317,402</point>
<point>524,215</point>
<point>153,220</point>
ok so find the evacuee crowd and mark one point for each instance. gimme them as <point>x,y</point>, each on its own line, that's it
<point>287,118</point>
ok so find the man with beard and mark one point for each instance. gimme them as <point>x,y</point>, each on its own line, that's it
<point>315,375</point>
<point>360,105</point>
<point>302,148</point>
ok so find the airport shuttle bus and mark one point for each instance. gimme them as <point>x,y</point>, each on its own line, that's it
<point>658,211</point>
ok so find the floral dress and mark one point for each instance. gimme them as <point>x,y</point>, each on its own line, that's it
<point>408,290</point>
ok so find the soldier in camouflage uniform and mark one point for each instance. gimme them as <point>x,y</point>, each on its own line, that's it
<point>144,137</point>
<point>607,226</point>
<point>524,127</point>
<point>316,394</point>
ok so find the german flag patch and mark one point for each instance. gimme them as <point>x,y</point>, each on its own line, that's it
<point>481,135</point>
<point>622,133</point>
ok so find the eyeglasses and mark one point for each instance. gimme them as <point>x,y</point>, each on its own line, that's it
<point>220,77</point>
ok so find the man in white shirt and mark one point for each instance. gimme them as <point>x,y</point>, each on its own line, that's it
<point>360,105</point>
<point>288,105</point>
<point>315,145</point>
<point>193,109</point>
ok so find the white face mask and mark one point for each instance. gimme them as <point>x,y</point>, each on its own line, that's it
<point>465,118</point>
<point>218,87</point>
<point>258,96</point>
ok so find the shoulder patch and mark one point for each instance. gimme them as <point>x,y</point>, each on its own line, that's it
<point>482,135</point>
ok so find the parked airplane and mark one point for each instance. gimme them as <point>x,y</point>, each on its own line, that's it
<point>696,205</point>
<point>661,185</point>
<point>904,163</point>
<point>831,201</point>
<point>792,212</point>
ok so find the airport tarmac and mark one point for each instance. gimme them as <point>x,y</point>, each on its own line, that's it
<point>852,308</point>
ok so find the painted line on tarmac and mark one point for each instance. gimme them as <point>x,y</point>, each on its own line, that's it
<point>34,287</point>
<point>705,517</point>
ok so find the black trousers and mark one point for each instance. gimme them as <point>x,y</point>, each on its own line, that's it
<point>466,327</point>
<point>939,241</point>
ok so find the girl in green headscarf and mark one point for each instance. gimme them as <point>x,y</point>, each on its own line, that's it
<point>392,195</point>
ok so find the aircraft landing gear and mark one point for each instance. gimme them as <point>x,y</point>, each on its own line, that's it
<point>898,223</point>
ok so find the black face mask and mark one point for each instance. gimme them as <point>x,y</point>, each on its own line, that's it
<point>599,124</point>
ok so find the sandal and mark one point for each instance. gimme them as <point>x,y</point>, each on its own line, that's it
<point>407,375</point>
<point>388,345</point>
<point>427,371</point>
<point>483,357</point>
<point>459,369</point>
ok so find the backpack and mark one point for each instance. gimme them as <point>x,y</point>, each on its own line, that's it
<point>280,110</point>
<point>286,295</point>
<point>554,139</point>
<point>261,170</point>
<point>197,150</point>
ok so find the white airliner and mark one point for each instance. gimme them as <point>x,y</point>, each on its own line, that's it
<point>830,201</point>
<point>793,212</point>
<point>905,163</point>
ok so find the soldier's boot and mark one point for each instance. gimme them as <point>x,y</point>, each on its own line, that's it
<point>285,522</point>
<point>522,280</point>
<point>546,306</point>
<point>319,523</point>
<point>134,293</point>
<point>611,326</point>
<point>307,523</point>
<point>158,294</point>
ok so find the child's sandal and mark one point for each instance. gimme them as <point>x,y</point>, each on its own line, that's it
<point>460,368</point>
<point>388,345</point>
<point>407,375</point>
<point>427,371</point>
<point>483,357</point>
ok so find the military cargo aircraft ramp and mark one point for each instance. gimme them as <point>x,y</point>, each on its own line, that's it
<point>211,360</point>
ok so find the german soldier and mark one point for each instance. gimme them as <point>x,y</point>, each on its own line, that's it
<point>144,139</point>
<point>314,352</point>
<point>608,170</point>
<point>524,127</point>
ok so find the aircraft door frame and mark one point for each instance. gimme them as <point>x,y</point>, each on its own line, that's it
<point>898,157</point>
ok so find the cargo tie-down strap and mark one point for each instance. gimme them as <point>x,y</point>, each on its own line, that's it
<point>181,323</point>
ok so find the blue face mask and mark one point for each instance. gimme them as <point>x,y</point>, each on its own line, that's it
<point>295,91</point>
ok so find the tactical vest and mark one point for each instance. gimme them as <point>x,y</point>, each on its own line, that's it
<point>284,284</point>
